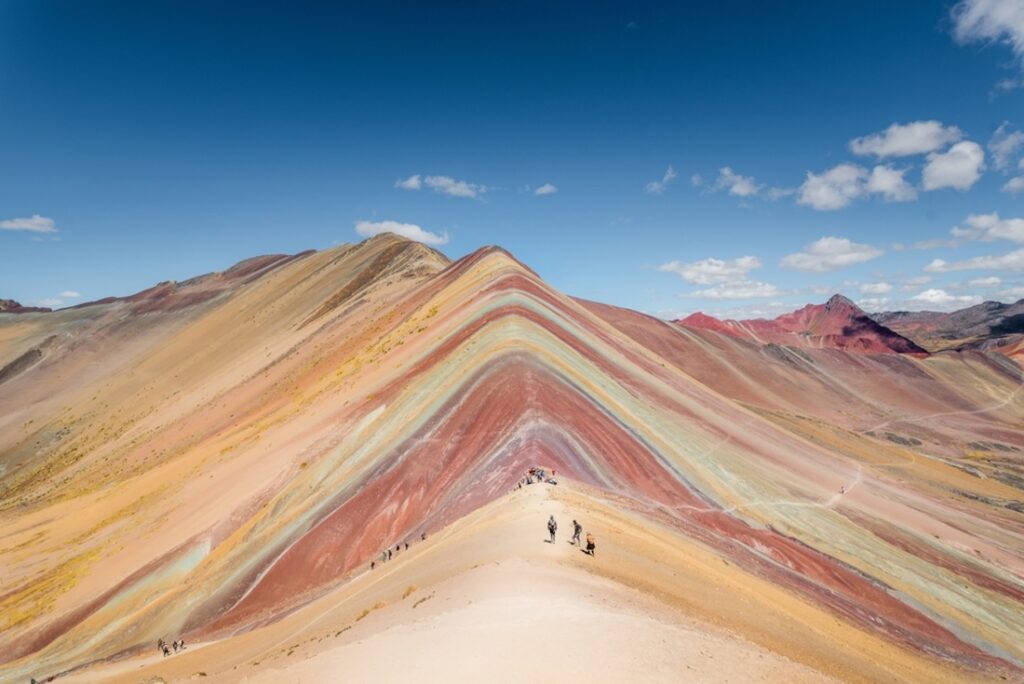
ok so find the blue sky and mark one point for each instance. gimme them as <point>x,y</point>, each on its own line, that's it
<point>869,148</point>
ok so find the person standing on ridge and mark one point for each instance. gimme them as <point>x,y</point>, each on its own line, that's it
<point>552,528</point>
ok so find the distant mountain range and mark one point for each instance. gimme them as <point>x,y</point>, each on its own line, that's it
<point>11,306</point>
<point>841,324</point>
<point>989,325</point>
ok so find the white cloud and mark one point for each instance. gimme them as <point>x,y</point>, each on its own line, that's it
<point>1011,293</point>
<point>833,189</point>
<point>990,281</point>
<point>1012,261</point>
<point>711,271</point>
<point>876,288</point>
<point>991,20</point>
<point>889,182</point>
<point>446,185</point>
<point>743,289</point>
<point>1014,185</point>
<point>658,187</point>
<point>959,167</point>
<point>34,224</point>
<point>1004,146</point>
<point>740,186</point>
<point>830,253</point>
<point>70,294</point>
<point>942,299</point>
<point>407,230</point>
<point>901,140</point>
<point>50,302</point>
<point>873,303</point>
<point>546,189</point>
<point>696,180</point>
<point>411,183</point>
<point>989,227</point>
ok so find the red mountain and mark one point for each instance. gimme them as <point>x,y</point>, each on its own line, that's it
<point>836,324</point>
<point>11,306</point>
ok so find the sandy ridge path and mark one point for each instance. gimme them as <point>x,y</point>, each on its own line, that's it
<point>487,599</point>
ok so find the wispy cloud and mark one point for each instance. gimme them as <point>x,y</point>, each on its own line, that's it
<point>1000,21</point>
<point>546,189</point>
<point>829,254</point>
<point>945,300</point>
<point>407,230</point>
<point>1012,261</point>
<point>743,289</point>
<point>414,182</point>
<point>989,227</point>
<point>876,288</point>
<point>33,224</point>
<point>1005,145</point>
<point>658,187</point>
<point>444,185</point>
<point>1014,186</point>
<point>740,186</point>
<point>710,271</point>
<point>989,281</point>
<point>70,294</point>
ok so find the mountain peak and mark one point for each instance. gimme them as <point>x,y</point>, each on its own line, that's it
<point>838,301</point>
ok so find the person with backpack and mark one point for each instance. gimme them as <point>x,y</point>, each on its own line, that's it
<point>552,528</point>
<point>577,529</point>
<point>590,544</point>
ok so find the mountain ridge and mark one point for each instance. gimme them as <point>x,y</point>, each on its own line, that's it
<point>208,469</point>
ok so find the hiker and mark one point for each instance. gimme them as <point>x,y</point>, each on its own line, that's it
<point>423,536</point>
<point>552,528</point>
<point>389,554</point>
<point>181,643</point>
<point>577,529</point>
<point>167,651</point>
<point>406,546</point>
<point>160,645</point>
<point>590,544</point>
<point>397,548</point>
<point>383,556</point>
<point>373,564</point>
<point>842,490</point>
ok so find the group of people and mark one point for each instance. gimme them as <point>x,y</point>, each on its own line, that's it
<point>577,530</point>
<point>387,553</point>
<point>165,648</point>
<point>537,475</point>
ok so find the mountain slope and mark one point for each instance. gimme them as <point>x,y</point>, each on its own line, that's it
<point>207,469</point>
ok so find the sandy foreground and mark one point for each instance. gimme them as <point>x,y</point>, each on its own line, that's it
<point>488,599</point>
